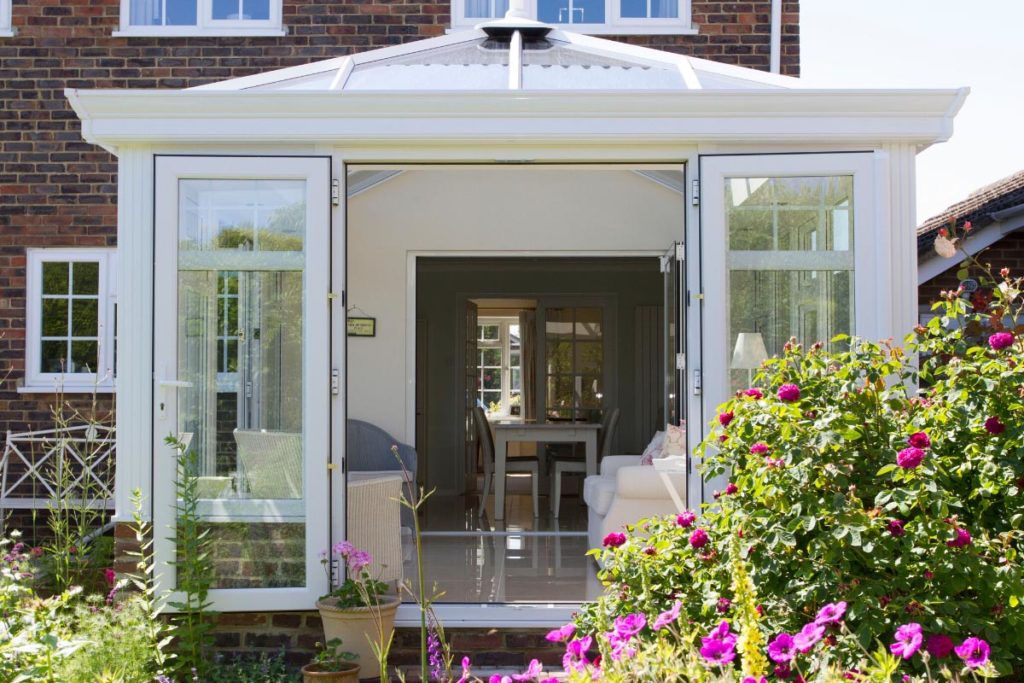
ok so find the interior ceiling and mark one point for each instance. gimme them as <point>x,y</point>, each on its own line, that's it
<point>361,181</point>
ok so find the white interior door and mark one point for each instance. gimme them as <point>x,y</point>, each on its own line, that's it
<point>674,362</point>
<point>787,251</point>
<point>241,358</point>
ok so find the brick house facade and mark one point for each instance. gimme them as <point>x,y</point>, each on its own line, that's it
<point>996,213</point>
<point>57,191</point>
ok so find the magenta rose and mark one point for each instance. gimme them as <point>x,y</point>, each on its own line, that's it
<point>699,538</point>
<point>725,418</point>
<point>731,488</point>
<point>759,448</point>
<point>962,540</point>
<point>789,393</point>
<point>896,527</point>
<point>686,519</point>
<point>939,645</point>
<point>919,440</point>
<point>909,458</point>
<point>614,540</point>
<point>1000,340</point>
<point>753,392</point>
<point>994,426</point>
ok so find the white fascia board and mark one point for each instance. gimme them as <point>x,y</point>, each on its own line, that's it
<point>116,117</point>
<point>932,265</point>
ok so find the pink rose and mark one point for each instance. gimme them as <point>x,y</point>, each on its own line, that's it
<point>789,393</point>
<point>919,440</point>
<point>994,426</point>
<point>909,458</point>
<point>1000,340</point>
<point>614,540</point>
<point>725,418</point>
<point>699,538</point>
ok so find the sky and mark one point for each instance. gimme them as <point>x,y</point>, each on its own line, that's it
<point>931,43</point>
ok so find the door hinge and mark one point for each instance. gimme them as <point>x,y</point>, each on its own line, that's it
<point>698,379</point>
<point>695,192</point>
<point>680,252</point>
<point>335,192</point>
<point>331,466</point>
<point>680,361</point>
<point>335,382</point>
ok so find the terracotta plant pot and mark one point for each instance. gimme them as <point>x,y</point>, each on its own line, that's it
<point>314,673</point>
<point>357,627</point>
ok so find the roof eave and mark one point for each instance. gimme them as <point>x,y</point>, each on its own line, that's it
<point>112,118</point>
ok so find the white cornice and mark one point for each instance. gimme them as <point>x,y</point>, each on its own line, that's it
<point>117,117</point>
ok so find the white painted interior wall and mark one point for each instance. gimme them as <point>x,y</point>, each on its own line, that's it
<point>474,209</point>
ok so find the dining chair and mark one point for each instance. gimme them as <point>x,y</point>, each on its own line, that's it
<point>565,464</point>
<point>512,465</point>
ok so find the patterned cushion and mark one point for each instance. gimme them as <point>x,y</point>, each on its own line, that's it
<point>675,441</point>
<point>653,449</point>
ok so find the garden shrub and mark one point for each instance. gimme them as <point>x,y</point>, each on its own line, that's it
<point>848,482</point>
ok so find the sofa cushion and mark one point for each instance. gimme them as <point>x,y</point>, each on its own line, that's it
<point>598,493</point>
<point>653,449</point>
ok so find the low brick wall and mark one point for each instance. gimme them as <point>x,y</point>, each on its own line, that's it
<point>297,633</point>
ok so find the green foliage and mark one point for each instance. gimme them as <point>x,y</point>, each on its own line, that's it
<point>827,513</point>
<point>256,669</point>
<point>331,657</point>
<point>192,625</point>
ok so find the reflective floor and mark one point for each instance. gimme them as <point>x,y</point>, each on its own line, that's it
<point>473,559</point>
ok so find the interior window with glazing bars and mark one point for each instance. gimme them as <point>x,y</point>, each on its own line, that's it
<point>499,367</point>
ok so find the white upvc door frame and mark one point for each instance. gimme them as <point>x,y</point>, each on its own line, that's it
<point>871,256</point>
<point>315,171</point>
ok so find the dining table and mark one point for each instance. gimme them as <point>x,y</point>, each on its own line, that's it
<point>538,432</point>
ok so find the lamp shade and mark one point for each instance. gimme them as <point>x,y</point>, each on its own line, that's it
<point>749,351</point>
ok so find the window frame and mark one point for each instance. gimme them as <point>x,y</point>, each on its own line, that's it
<point>36,381</point>
<point>205,24</point>
<point>504,342</point>
<point>6,25</point>
<point>614,24</point>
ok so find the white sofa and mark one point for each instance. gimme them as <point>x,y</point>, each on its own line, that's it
<point>624,493</point>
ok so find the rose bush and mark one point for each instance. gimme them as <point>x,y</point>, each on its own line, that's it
<point>886,477</point>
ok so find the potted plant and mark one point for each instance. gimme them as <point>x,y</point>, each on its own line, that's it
<point>361,611</point>
<point>331,665</point>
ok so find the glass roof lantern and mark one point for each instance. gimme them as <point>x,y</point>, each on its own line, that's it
<point>512,53</point>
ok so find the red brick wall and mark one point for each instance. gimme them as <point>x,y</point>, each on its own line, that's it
<point>56,190</point>
<point>1007,252</point>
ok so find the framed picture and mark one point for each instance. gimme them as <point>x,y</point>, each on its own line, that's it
<point>362,327</point>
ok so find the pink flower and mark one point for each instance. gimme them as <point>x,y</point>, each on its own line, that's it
<point>629,625</point>
<point>909,458</point>
<point>614,540</point>
<point>719,646</point>
<point>751,679</point>
<point>919,440</point>
<point>560,635</point>
<point>686,519</point>
<point>575,658</point>
<point>939,645</point>
<point>782,649</point>
<point>725,418</point>
<point>753,392</point>
<point>1000,340</point>
<point>759,448</point>
<point>896,527</point>
<point>699,538</point>
<point>532,673</point>
<point>963,538</point>
<point>908,640</point>
<point>731,488</point>
<point>668,617</point>
<point>994,426</point>
<point>808,637</point>
<point>789,393</point>
<point>774,462</point>
<point>831,613</point>
<point>974,652</point>
<point>723,605</point>
<point>110,576</point>
<point>465,671</point>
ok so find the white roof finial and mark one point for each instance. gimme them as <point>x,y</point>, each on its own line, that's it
<point>516,10</point>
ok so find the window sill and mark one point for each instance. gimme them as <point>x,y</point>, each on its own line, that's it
<point>608,29</point>
<point>67,389</point>
<point>195,32</point>
<point>7,33</point>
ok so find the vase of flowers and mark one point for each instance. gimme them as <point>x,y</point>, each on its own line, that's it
<point>361,611</point>
<point>331,665</point>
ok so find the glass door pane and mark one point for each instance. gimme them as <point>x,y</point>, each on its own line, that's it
<point>241,366</point>
<point>574,368</point>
